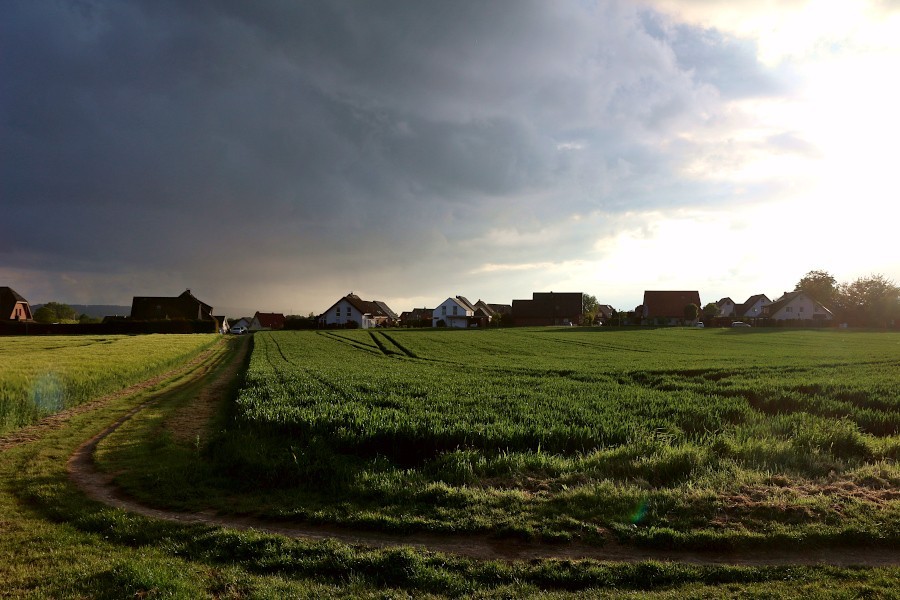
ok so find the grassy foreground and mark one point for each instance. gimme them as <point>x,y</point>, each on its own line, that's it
<point>55,544</point>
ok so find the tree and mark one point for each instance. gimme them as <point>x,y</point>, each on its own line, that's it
<point>821,285</point>
<point>711,310</point>
<point>589,307</point>
<point>872,301</point>
<point>55,312</point>
<point>691,311</point>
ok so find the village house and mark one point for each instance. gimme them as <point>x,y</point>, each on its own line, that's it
<point>266,322</point>
<point>13,307</point>
<point>242,322</point>
<point>351,309</point>
<point>417,317</point>
<point>668,307</point>
<point>454,312</point>
<point>797,306</point>
<point>184,307</point>
<point>726,307</point>
<point>549,308</point>
<point>605,312</point>
<point>752,308</point>
<point>163,308</point>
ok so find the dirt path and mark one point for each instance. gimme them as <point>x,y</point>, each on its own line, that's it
<point>98,486</point>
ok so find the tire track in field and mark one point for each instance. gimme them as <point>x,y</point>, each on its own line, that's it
<point>99,486</point>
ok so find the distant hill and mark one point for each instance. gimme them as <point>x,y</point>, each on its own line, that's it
<point>97,311</point>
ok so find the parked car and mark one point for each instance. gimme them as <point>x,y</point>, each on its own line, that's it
<point>238,330</point>
<point>700,324</point>
<point>740,324</point>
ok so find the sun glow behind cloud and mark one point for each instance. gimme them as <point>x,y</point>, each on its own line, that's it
<point>827,151</point>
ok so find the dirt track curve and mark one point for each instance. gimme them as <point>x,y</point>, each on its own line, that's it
<point>99,486</point>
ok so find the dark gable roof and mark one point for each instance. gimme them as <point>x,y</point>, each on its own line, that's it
<point>8,300</point>
<point>485,309</point>
<point>606,310</point>
<point>669,304</point>
<point>366,307</point>
<point>270,320</point>
<point>741,309</point>
<point>464,302</point>
<point>774,307</point>
<point>420,314</point>
<point>755,298</point>
<point>725,301</point>
<point>184,306</point>
<point>501,309</point>
<point>385,309</point>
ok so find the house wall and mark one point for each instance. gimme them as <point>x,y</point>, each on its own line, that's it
<point>342,313</point>
<point>801,307</point>
<point>255,325</point>
<point>19,313</point>
<point>444,312</point>
<point>727,309</point>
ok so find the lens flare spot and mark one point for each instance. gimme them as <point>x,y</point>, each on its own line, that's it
<point>48,393</point>
<point>639,513</point>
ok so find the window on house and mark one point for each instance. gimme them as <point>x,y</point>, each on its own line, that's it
<point>801,309</point>
<point>443,311</point>
<point>789,309</point>
<point>454,311</point>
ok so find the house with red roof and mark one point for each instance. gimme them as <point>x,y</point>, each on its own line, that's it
<point>266,322</point>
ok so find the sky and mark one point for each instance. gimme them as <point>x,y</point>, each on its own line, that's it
<point>277,155</point>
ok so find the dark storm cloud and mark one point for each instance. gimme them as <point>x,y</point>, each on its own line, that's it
<point>313,137</point>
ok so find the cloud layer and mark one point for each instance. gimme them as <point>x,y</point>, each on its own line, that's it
<point>295,151</point>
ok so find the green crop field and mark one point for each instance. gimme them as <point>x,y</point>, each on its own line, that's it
<point>660,436</point>
<point>753,441</point>
<point>43,375</point>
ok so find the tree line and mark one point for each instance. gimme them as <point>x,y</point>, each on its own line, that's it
<point>870,301</point>
<point>59,312</point>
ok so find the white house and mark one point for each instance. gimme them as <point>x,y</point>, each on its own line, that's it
<point>797,306</point>
<point>753,307</point>
<point>243,322</point>
<point>351,308</point>
<point>726,307</point>
<point>454,312</point>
